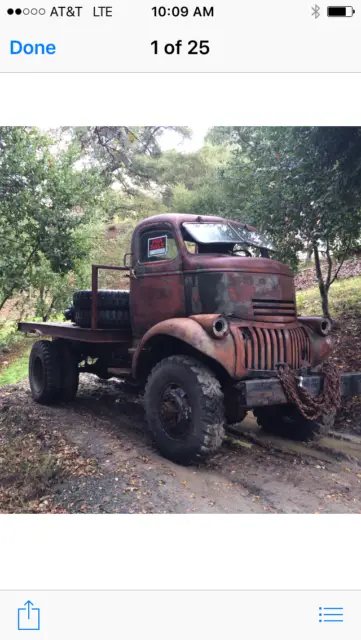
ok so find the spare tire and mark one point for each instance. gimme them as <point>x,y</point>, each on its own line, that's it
<point>69,314</point>
<point>106,318</point>
<point>107,299</point>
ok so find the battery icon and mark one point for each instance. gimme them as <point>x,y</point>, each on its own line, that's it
<point>340,12</point>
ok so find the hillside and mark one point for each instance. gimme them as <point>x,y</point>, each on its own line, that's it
<point>345,306</point>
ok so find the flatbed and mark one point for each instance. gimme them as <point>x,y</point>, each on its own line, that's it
<point>71,331</point>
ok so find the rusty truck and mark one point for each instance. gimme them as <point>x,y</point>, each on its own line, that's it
<point>209,320</point>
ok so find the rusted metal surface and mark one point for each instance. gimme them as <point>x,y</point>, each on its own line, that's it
<point>72,332</point>
<point>207,321</point>
<point>256,294</point>
<point>191,332</point>
<point>311,406</point>
<point>95,271</point>
<point>265,347</point>
<point>317,323</point>
<point>236,289</point>
<point>251,289</point>
<point>157,288</point>
<point>269,391</point>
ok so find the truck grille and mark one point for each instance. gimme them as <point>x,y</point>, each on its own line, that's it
<point>264,348</point>
<point>274,310</point>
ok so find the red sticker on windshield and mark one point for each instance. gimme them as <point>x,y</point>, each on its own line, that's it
<point>157,246</point>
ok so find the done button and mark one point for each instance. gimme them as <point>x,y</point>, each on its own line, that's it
<point>17,47</point>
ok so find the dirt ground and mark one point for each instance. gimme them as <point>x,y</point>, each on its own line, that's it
<point>97,457</point>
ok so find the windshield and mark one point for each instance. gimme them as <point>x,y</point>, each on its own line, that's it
<point>224,232</point>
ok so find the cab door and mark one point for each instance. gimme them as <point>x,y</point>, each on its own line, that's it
<point>157,291</point>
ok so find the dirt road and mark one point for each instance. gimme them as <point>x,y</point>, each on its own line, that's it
<point>252,473</point>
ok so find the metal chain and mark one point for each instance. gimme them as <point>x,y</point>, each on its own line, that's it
<point>312,407</point>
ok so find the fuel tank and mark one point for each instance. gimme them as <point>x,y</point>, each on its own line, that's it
<point>251,289</point>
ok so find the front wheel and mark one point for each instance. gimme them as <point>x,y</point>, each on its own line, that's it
<point>287,422</point>
<point>184,409</point>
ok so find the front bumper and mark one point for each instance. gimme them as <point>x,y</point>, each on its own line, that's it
<point>269,391</point>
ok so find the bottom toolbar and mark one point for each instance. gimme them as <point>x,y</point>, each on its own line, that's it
<point>135,615</point>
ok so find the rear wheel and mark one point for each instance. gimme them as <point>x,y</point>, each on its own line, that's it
<point>287,422</point>
<point>184,409</point>
<point>69,381</point>
<point>45,372</point>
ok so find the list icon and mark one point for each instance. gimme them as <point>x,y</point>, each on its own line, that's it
<point>330,614</point>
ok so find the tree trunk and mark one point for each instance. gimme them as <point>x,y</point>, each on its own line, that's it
<point>309,254</point>
<point>3,301</point>
<point>321,283</point>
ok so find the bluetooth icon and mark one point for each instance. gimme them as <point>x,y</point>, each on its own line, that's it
<point>316,11</point>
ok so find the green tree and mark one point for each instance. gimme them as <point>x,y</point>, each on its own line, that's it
<point>44,198</point>
<point>122,151</point>
<point>298,183</point>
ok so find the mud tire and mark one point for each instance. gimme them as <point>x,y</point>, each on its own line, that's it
<point>287,422</point>
<point>45,372</point>
<point>107,299</point>
<point>69,378</point>
<point>106,319</point>
<point>69,314</point>
<point>205,398</point>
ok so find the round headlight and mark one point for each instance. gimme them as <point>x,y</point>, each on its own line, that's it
<point>220,327</point>
<point>325,326</point>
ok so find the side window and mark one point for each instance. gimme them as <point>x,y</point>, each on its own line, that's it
<point>157,245</point>
<point>191,247</point>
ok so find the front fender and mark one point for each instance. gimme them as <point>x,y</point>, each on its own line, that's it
<point>191,332</point>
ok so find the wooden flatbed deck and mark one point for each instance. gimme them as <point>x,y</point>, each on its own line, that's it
<point>71,331</point>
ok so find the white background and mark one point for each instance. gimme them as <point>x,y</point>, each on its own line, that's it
<point>39,552</point>
<point>180,552</point>
<point>169,99</point>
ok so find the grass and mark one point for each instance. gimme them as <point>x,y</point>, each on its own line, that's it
<point>16,370</point>
<point>344,294</point>
<point>14,365</point>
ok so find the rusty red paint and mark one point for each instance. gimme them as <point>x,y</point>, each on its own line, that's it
<point>191,332</point>
<point>181,295</point>
<point>72,332</point>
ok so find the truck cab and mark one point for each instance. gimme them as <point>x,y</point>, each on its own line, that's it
<point>189,266</point>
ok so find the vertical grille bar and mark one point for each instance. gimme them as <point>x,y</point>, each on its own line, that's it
<point>254,349</point>
<point>296,349</point>
<point>281,355</point>
<point>300,343</point>
<point>262,346</point>
<point>268,349</point>
<point>293,349</point>
<point>274,348</point>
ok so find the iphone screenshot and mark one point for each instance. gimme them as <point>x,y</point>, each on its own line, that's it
<point>180,320</point>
